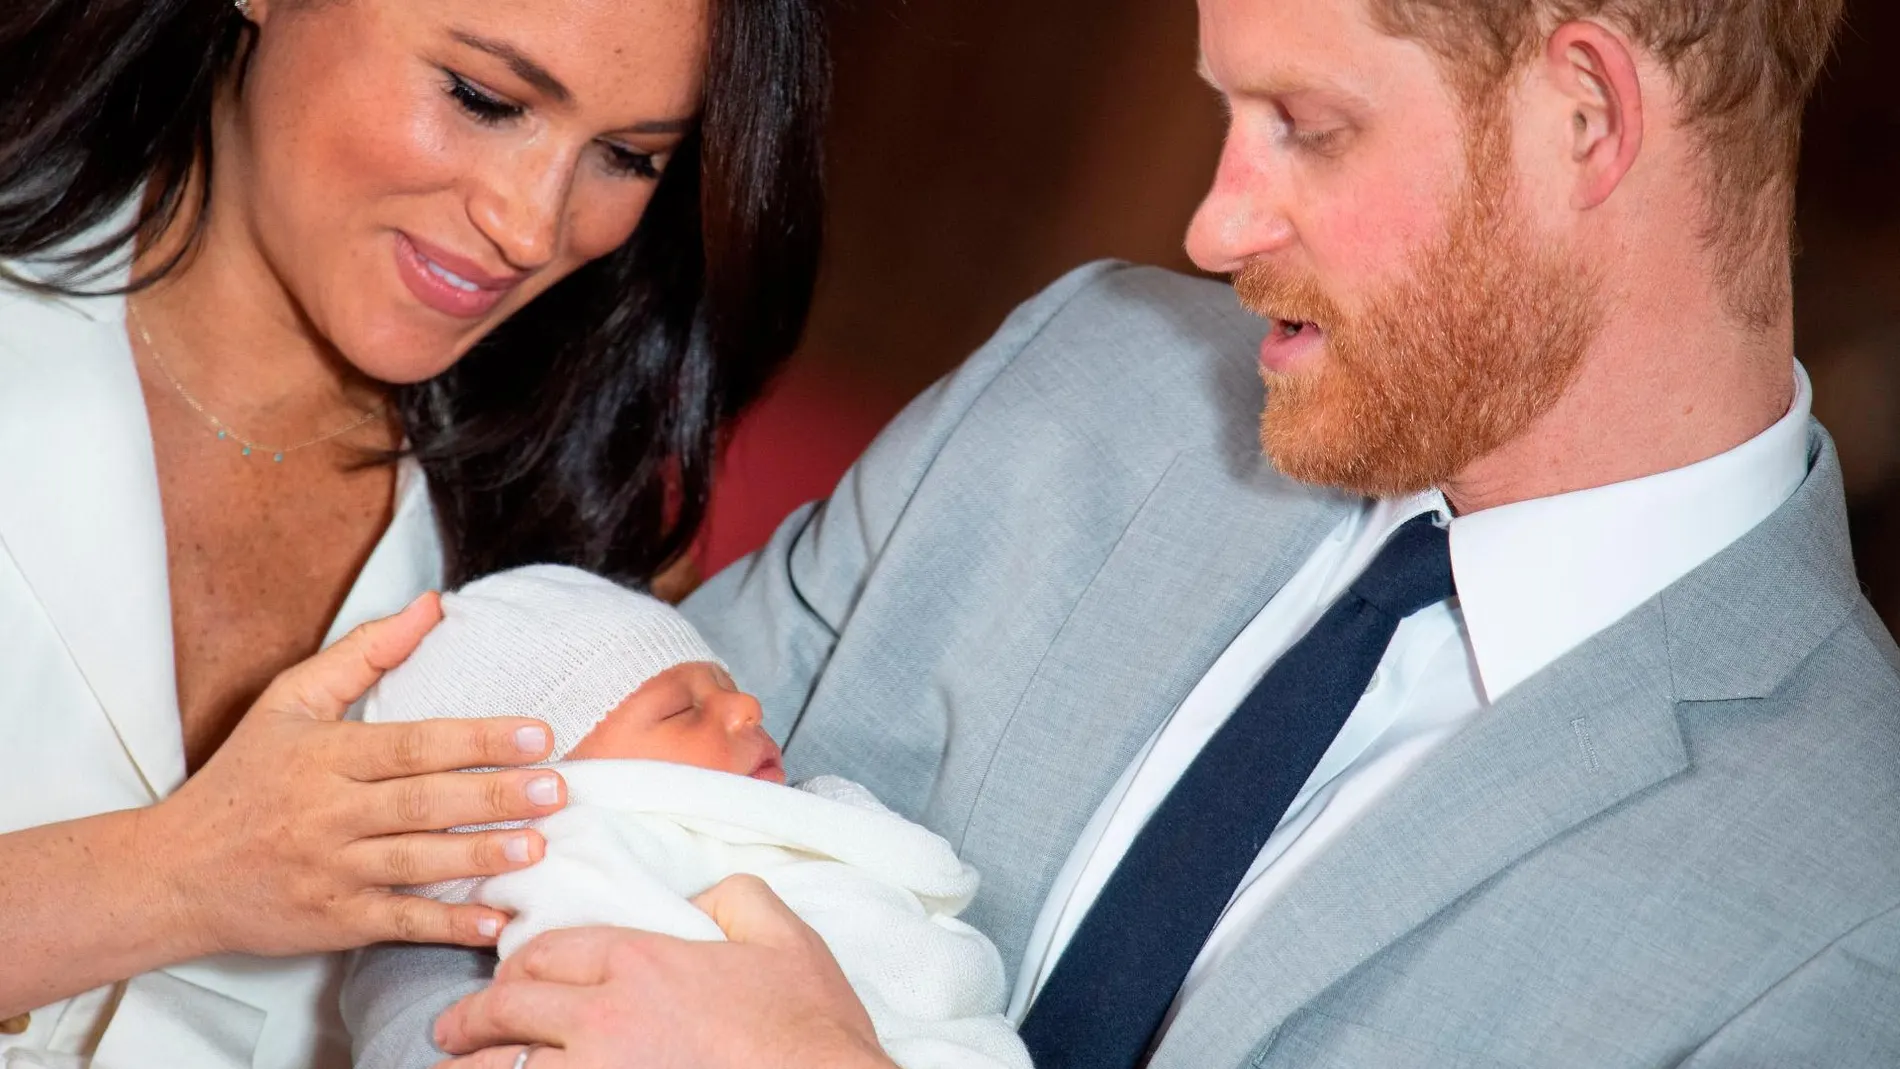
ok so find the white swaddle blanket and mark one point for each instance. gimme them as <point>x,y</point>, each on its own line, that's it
<point>638,839</point>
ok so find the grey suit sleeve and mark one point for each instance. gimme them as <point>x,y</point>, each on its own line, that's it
<point>776,615</point>
<point>1840,1010</point>
<point>393,993</point>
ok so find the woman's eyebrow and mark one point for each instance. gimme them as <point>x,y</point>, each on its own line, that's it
<point>659,126</point>
<point>525,68</point>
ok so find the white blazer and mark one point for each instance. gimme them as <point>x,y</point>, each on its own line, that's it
<point>89,719</point>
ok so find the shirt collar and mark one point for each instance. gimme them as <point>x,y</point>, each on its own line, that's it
<point>1537,578</point>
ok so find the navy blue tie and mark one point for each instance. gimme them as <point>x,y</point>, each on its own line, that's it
<point>1113,985</point>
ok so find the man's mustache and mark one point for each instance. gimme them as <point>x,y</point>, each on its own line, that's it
<point>1273,292</point>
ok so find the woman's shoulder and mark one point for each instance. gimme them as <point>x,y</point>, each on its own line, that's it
<point>66,285</point>
<point>38,308</point>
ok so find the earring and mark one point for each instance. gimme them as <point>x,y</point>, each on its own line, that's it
<point>243,7</point>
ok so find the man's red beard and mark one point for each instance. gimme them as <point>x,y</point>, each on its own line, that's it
<point>1439,369</point>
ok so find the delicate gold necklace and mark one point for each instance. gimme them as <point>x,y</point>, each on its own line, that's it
<point>224,430</point>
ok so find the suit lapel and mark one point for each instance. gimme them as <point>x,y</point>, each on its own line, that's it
<point>1201,557</point>
<point>1563,747</point>
<point>1595,728</point>
<point>80,513</point>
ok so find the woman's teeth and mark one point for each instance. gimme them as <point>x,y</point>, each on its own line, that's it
<point>450,277</point>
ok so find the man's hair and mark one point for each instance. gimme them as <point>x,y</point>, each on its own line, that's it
<point>1743,71</point>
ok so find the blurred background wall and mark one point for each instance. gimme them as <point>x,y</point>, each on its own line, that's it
<point>980,148</point>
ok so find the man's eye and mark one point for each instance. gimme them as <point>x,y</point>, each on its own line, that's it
<point>1315,139</point>
<point>482,106</point>
<point>625,161</point>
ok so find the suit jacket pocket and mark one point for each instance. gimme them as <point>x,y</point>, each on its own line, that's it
<point>1312,1040</point>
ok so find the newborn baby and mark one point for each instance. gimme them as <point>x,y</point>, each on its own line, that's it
<point>674,785</point>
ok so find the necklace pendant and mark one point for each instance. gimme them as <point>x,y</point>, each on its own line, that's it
<point>247,450</point>
<point>222,435</point>
<point>277,458</point>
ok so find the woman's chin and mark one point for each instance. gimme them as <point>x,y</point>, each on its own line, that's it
<point>404,357</point>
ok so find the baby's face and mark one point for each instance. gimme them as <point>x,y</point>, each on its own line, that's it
<point>690,714</point>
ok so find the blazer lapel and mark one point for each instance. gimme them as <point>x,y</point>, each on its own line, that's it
<point>1563,747</point>
<point>80,513</point>
<point>1590,731</point>
<point>1199,560</point>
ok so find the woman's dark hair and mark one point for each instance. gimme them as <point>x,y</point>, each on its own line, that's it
<point>582,430</point>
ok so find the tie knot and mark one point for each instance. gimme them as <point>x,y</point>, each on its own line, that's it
<point>1412,571</point>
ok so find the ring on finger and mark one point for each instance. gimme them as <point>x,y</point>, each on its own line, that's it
<point>521,1060</point>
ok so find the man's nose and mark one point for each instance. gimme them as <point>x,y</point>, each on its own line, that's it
<point>519,206</point>
<point>1242,216</point>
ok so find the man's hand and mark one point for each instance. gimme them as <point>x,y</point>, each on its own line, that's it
<point>613,998</point>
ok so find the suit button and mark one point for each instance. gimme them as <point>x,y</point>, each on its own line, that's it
<point>14,1026</point>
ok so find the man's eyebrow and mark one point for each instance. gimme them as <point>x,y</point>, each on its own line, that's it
<point>526,69</point>
<point>1282,85</point>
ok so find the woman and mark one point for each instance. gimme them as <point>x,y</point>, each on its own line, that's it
<point>310,306</point>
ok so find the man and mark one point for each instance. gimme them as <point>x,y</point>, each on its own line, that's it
<point>1523,711</point>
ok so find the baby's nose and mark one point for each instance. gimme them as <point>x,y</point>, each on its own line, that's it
<point>743,711</point>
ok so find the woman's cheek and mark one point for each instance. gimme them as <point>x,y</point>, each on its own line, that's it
<point>603,214</point>
<point>411,148</point>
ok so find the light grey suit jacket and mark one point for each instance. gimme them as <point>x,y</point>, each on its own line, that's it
<point>1677,846</point>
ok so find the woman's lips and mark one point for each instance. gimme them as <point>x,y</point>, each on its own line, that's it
<point>1289,345</point>
<point>448,283</point>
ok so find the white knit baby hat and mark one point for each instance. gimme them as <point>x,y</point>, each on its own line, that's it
<point>546,641</point>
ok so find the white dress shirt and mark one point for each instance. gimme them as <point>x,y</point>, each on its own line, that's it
<point>1535,580</point>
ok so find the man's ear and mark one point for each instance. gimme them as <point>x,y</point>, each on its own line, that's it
<point>1594,69</point>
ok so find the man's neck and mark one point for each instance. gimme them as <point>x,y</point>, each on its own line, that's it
<point>1648,398</point>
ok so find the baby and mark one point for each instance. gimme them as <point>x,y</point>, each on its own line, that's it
<point>674,785</point>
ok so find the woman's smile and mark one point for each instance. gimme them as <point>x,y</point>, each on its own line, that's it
<point>448,283</point>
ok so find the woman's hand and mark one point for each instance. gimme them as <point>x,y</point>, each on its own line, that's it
<point>292,836</point>
<point>613,998</point>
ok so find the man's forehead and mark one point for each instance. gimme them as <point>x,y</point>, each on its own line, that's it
<point>1284,48</point>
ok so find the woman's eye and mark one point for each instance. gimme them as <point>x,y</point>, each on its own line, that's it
<point>482,106</point>
<point>624,161</point>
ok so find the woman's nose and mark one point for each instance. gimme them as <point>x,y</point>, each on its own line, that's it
<point>521,205</point>
<point>1242,217</point>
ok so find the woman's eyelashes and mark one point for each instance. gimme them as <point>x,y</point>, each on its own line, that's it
<point>625,161</point>
<point>491,110</point>
<point>482,106</point>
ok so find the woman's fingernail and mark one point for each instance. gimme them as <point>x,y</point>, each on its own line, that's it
<point>489,927</point>
<point>544,790</point>
<point>531,740</point>
<point>516,848</point>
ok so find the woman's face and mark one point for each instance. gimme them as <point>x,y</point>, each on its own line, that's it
<point>414,172</point>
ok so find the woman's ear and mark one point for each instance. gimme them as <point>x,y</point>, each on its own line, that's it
<point>1594,68</point>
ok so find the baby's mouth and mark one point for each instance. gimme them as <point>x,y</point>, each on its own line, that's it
<point>771,768</point>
